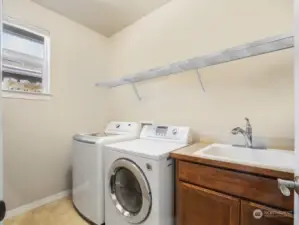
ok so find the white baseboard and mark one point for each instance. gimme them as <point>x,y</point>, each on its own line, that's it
<point>25,208</point>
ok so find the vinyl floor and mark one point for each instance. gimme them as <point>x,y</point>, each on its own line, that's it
<point>60,212</point>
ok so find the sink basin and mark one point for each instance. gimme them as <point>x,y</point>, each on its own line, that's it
<point>281,160</point>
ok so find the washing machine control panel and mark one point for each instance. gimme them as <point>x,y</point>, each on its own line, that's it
<point>161,130</point>
<point>167,133</point>
<point>115,127</point>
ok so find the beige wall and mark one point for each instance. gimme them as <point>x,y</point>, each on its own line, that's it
<point>37,134</point>
<point>260,88</point>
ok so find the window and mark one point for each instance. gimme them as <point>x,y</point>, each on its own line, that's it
<point>25,59</point>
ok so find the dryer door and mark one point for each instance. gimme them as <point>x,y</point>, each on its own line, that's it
<point>129,191</point>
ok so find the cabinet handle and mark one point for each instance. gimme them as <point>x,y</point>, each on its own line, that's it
<point>286,186</point>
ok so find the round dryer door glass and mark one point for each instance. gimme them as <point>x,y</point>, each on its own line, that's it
<point>129,191</point>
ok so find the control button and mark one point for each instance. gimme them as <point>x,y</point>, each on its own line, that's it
<point>174,131</point>
<point>117,125</point>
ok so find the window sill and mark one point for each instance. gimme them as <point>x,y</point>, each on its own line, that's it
<point>25,95</point>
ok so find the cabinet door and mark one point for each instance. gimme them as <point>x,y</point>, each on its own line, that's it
<point>254,214</point>
<point>199,206</point>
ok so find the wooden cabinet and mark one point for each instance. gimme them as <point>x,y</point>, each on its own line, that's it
<point>207,195</point>
<point>269,216</point>
<point>199,206</point>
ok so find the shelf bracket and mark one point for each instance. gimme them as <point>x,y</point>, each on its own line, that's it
<point>200,81</point>
<point>136,91</point>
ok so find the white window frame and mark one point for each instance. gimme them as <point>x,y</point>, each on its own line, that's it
<point>46,75</point>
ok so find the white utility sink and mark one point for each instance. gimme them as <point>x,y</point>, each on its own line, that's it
<point>281,160</point>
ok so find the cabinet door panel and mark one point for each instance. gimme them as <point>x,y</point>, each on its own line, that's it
<point>199,206</point>
<point>268,217</point>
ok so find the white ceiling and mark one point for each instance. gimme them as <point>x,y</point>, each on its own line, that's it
<point>104,16</point>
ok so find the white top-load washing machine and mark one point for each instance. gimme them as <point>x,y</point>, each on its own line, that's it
<point>88,168</point>
<point>139,183</point>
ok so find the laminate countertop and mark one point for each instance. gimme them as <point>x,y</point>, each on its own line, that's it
<point>187,154</point>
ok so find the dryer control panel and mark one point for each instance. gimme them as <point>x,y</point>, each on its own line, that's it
<point>175,134</point>
<point>115,127</point>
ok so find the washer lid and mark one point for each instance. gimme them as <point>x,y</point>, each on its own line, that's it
<point>146,148</point>
<point>88,138</point>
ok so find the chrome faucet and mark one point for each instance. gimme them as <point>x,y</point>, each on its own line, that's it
<point>247,133</point>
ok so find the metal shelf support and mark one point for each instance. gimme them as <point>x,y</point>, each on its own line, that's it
<point>200,81</point>
<point>136,91</point>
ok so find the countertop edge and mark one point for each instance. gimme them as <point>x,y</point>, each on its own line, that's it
<point>179,155</point>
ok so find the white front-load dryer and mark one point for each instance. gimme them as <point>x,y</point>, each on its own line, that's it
<point>139,183</point>
<point>88,169</point>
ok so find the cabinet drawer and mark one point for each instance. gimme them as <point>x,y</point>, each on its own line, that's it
<point>259,189</point>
